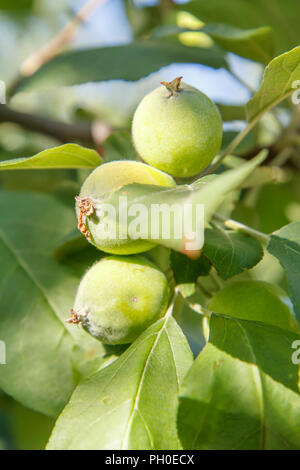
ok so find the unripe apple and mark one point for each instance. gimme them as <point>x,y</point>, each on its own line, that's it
<point>119,297</point>
<point>104,180</point>
<point>177,129</point>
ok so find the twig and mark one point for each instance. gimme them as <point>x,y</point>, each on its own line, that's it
<point>90,134</point>
<point>234,224</point>
<point>64,37</point>
<point>216,279</point>
<point>203,289</point>
<point>282,157</point>
<point>238,139</point>
<point>232,146</point>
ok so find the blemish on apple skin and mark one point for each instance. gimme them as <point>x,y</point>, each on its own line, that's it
<point>139,270</point>
<point>91,353</point>
<point>217,364</point>
<point>106,400</point>
<point>134,299</point>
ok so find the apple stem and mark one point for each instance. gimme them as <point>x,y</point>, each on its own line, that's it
<point>173,86</point>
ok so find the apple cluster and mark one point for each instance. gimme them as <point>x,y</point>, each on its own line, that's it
<point>177,131</point>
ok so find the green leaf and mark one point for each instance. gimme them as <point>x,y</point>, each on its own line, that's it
<point>132,403</point>
<point>274,202</point>
<point>255,44</point>
<point>231,252</point>
<point>213,194</point>
<point>281,15</point>
<point>119,146</point>
<point>247,145</point>
<point>285,245</point>
<point>255,300</point>
<point>232,112</point>
<point>22,6</point>
<point>187,270</point>
<point>133,61</point>
<point>277,84</point>
<point>22,419</point>
<point>261,175</point>
<point>70,244</point>
<point>188,317</point>
<point>64,156</point>
<point>36,295</point>
<point>210,191</point>
<point>242,392</point>
<point>264,175</point>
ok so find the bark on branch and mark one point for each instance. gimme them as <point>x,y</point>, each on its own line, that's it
<point>63,37</point>
<point>88,134</point>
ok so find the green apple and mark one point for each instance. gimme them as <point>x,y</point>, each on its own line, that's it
<point>119,297</point>
<point>177,129</point>
<point>104,180</point>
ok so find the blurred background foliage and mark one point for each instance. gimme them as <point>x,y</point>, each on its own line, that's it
<point>164,38</point>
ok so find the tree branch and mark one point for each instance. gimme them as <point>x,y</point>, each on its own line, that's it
<point>54,46</point>
<point>64,37</point>
<point>89,134</point>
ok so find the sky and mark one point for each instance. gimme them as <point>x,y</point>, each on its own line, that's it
<point>108,26</point>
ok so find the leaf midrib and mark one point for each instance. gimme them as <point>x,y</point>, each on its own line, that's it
<point>140,385</point>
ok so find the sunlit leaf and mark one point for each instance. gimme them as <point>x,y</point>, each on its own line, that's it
<point>36,295</point>
<point>285,245</point>
<point>211,191</point>
<point>255,300</point>
<point>279,77</point>
<point>132,403</point>
<point>280,15</point>
<point>242,390</point>
<point>64,156</point>
<point>126,62</point>
<point>255,44</point>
